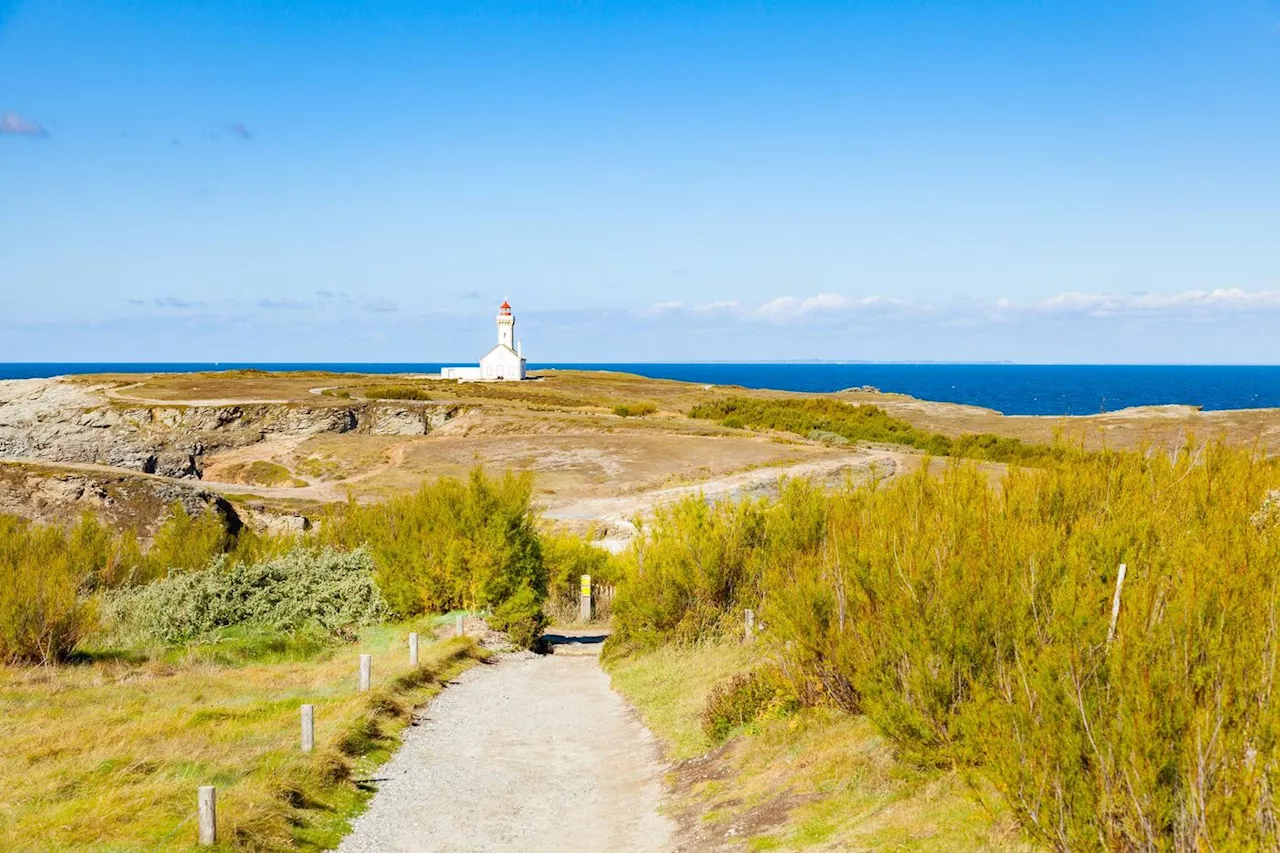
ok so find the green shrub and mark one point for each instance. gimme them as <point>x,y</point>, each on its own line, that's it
<point>186,543</point>
<point>634,410</point>
<point>691,567</point>
<point>521,616</point>
<point>829,420</point>
<point>454,545</point>
<point>742,700</point>
<point>567,559</point>
<point>397,392</point>
<point>42,616</point>
<point>329,589</point>
<point>972,625</point>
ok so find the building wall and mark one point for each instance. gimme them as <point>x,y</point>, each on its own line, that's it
<point>502,364</point>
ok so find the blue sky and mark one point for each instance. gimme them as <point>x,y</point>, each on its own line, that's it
<point>1072,181</point>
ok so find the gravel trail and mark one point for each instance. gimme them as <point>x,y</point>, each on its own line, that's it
<point>529,754</point>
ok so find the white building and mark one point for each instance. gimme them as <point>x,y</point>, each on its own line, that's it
<point>503,362</point>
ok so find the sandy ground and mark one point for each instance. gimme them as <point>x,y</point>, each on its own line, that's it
<point>530,754</point>
<point>617,514</point>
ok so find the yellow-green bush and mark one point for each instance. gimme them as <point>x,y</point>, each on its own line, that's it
<point>635,409</point>
<point>829,420</point>
<point>455,544</point>
<point>972,623</point>
<point>745,698</point>
<point>42,615</point>
<point>567,559</point>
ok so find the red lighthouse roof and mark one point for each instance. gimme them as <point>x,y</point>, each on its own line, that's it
<point>505,307</point>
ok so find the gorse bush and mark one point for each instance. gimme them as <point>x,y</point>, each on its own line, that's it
<point>455,544</point>
<point>567,559</point>
<point>42,615</point>
<point>971,624</point>
<point>634,410</point>
<point>328,589</point>
<point>745,698</point>
<point>691,567</point>
<point>397,392</point>
<point>48,573</point>
<point>828,420</point>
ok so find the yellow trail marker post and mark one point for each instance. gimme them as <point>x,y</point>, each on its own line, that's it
<point>585,611</point>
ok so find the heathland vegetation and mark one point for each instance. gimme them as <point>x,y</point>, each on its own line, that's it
<point>974,626</point>
<point>826,419</point>
<point>937,645</point>
<point>189,658</point>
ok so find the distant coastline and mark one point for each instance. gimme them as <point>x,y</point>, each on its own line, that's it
<point>1014,389</point>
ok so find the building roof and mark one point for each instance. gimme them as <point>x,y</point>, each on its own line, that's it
<point>501,347</point>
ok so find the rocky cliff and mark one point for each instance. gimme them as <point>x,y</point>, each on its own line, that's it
<point>52,495</point>
<point>54,420</point>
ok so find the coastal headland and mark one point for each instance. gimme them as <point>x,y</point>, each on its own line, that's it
<point>271,449</point>
<point>214,557</point>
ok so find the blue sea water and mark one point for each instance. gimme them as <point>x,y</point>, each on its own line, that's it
<point>1015,389</point>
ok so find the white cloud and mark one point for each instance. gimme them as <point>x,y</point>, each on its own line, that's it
<point>834,309</point>
<point>1190,302</point>
<point>730,306</point>
<point>782,309</point>
<point>660,308</point>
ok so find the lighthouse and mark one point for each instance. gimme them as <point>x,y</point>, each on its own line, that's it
<point>506,326</point>
<point>505,362</point>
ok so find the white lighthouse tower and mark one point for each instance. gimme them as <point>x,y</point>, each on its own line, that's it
<point>506,327</point>
<point>503,362</point>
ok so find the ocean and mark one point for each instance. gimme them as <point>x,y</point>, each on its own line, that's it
<point>1015,389</point>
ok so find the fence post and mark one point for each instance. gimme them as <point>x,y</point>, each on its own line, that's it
<point>308,727</point>
<point>366,672</point>
<point>207,815</point>
<point>459,627</point>
<point>584,611</point>
<point>413,648</point>
<point>1115,605</point>
<point>750,627</point>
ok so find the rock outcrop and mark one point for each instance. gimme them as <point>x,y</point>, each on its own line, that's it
<point>56,496</point>
<point>54,420</point>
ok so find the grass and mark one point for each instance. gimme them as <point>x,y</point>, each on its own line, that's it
<point>832,421</point>
<point>108,753</point>
<point>261,473</point>
<point>670,687</point>
<point>818,779</point>
<point>568,390</point>
<point>397,392</point>
<point>634,410</point>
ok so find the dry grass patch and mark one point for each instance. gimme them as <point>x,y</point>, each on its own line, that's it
<point>261,473</point>
<point>818,779</point>
<point>108,754</point>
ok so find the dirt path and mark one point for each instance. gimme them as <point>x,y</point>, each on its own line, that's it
<point>617,512</point>
<point>120,394</point>
<point>530,754</point>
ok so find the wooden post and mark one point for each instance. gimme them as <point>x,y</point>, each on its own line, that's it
<point>207,815</point>
<point>750,627</point>
<point>584,611</point>
<point>308,727</point>
<point>413,648</point>
<point>1115,605</point>
<point>366,672</point>
<point>459,627</point>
